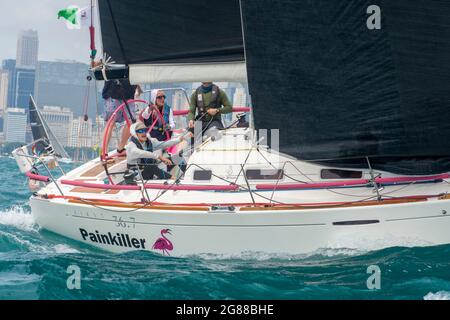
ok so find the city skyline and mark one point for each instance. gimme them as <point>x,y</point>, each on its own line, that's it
<point>58,80</point>
<point>56,42</point>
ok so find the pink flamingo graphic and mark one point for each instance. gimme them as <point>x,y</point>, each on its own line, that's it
<point>163,244</point>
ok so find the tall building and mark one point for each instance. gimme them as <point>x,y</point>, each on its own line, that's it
<point>9,65</point>
<point>64,83</point>
<point>27,49</point>
<point>20,84</point>
<point>240,98</point>
<point>4,83</point>
<point>24,87</point>
<point>81,133</point>
<point>15,125</point>
<point>97,131</point>
<point>59,120</point>
<point>98,128</point>
<point>2,124</point>
<point>179,102</point>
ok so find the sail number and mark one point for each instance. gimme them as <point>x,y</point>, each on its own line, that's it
<point>122,223</point>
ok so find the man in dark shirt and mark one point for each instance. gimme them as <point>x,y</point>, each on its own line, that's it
<point>209,102</point>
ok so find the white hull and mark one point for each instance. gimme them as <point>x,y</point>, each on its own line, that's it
<point>300,220</point>
<point>284,231</point>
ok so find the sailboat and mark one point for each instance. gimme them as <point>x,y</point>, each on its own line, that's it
<point>46,140</point>
<point>363,152</point>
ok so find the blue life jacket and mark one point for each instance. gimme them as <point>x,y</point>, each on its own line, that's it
<point>166,116</point>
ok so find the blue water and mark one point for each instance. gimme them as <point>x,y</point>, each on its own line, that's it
<point>33,265</point>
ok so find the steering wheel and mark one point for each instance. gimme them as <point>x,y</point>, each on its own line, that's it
<point>159,117</point>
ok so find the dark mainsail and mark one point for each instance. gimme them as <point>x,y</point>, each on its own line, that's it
<point>158,31</point>
<point>340,91</point>
<point>46,141</point>
<point>38,130</point>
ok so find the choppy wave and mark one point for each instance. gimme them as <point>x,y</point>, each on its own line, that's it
<point>18,217</point>
<point>265,256</point>
<point>440,295</point>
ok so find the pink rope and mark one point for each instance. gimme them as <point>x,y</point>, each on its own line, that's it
<point>158,186</point>
<point>98,185</point>
<point>235,109</point>
<point>290,186</point>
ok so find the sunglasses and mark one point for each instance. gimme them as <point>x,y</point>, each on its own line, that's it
<point>161,97</point>
<point>141,131</point>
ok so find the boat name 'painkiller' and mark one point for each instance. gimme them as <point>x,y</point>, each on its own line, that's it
<point>119,239</point>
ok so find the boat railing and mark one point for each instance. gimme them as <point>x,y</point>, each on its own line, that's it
<point>171,89</point>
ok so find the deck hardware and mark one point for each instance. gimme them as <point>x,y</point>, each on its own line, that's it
<point>376,187</point>
<point>229,209</point>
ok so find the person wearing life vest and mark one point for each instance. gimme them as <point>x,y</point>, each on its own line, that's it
<point>142,155</point>
<point>207,105</point>
<point>162,129</point>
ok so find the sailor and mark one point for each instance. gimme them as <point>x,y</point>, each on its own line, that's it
<point>47,154</point>
<point>114,93</point>
<point>209,102</point>
<point>163,128</point>
<point>141,154</point>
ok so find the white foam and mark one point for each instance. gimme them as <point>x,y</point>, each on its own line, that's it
<point>62,248</point>
<point>10,278</point>
<point>338,251</point>
<point>440,295</point>
<point>19,218</point>
<point>265,256</point>
<point>345,245</point>
<point>24,242</point>
<point>363,244</point>
<point>39,247</point>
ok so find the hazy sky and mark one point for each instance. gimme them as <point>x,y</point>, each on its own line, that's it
<point>55,40</point>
